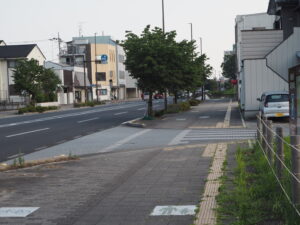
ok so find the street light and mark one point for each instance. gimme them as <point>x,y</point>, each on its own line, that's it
<point>191,31</point>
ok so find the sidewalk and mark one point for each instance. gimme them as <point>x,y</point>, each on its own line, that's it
<point>131,180</point>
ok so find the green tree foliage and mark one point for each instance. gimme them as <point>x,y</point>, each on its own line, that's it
<point>229,66</point>
<point>158,62</point>
<point>34,80</point>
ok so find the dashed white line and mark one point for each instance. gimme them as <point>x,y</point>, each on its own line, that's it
<point>83,121</point>
<point>28,132</point>
<point>15,156</point>
<point>121,113</point>
<point>141,109</point>
<point>40,148</point>
<point>62,141</point>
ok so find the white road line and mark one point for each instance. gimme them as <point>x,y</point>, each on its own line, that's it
<point>15,156</point>
<point>116,114</point>
<point>243,121</point>
<point>83,121</point>
<point>28,132</point>
<point>179,137</point>
<point>141,109</point>
<point>111,108</point>
<point>204,117</point>
<point>76,137</point>
<point>40,148</point>
<point>181,119</point>
<point>125,140</point>
<point>62,141</point>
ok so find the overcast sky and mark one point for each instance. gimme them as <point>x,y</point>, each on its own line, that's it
<point>36,21</point>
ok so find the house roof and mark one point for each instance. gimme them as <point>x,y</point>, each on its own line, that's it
<point>16,51</point>
<point>273,5</point>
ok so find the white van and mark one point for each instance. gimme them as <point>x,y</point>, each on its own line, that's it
<point>274,104</point>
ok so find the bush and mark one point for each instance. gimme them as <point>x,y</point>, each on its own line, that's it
<point>90,104</point>
<point>194,102</point>
<point>173,108</point>
<point>39,109</point>
<point>159,113</point>
<point>184,106</point>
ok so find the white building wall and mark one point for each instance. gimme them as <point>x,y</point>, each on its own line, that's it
<point>284,56</point>
<point>37,55</point>
<point>121,65</point>
<point>258,78</point>
<point>257,44</point>
<point>3,80</point>
<point>249,22</point>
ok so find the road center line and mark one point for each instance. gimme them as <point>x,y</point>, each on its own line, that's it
<point>28,132</point>
<point>82,121</point>
<point>116,114</point>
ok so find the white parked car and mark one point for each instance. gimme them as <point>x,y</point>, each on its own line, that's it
<point>274,104</point>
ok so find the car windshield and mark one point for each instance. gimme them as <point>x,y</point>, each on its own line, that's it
<point>278,98</point>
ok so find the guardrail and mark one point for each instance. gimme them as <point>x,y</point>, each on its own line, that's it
<point>272,145</point>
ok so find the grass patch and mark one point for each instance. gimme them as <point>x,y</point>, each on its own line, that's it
<point>253,195</point>
<point>20,162</point>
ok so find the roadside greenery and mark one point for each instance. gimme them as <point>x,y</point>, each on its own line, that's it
<point>88,104</point>
<point>39,109</point>
<point>35,81</point>
<point>253,195</point>
<point>159,63</point>
<point>176,108</point>
<point>229,66</point>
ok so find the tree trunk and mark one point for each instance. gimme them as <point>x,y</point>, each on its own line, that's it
<point>166,100</point>
<point>150,109</point>
<point>175,97</point>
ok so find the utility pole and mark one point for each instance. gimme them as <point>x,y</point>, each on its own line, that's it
<point>201,45</point>
<point>163,24</point>
<point>97,93</point>
<point>59,42</point>
<point>191,31</point>
<point>163,15</point>
<point>203,86</point>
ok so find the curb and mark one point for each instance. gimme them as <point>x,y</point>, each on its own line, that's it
<point>133,123</point>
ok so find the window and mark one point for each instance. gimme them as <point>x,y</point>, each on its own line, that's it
<point>278,98</point>
<point>121,59</point>
<point>121,74</point>
<point>103,91</point>
<point>111,73</point>
<point>101,76</point>
<point>11,64</point>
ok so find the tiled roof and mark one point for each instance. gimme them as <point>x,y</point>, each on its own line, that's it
<point>15,51</point>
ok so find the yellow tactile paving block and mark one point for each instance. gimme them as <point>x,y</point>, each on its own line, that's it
<point>206,215</point>
<point>209,150</point>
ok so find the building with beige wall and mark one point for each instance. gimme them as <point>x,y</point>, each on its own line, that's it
<point>105,65</point>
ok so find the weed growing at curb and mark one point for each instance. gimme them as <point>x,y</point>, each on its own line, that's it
<point>20,162</point>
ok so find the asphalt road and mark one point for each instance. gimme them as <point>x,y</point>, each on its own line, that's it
<point>30,133</point>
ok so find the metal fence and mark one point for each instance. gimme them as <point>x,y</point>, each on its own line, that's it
<point>272,144</point>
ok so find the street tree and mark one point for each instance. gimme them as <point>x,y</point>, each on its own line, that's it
<point>229,66</point>
<point>35,81</point>
<point>146,57</point>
